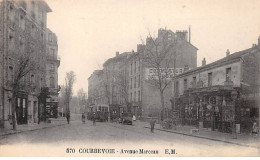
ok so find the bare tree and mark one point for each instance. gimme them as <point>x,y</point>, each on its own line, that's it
<point>159,57</point>
<point>23,65</point>
<point>82,99</point>
<point>69,81</point>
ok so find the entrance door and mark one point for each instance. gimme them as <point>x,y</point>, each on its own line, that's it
<point>21,111</point>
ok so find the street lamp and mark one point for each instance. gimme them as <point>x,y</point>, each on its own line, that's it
<point>234,97</point>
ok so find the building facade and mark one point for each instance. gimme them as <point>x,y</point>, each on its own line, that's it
<point>221,95</point>
<point>52,65</point>
<point>143,95</point>
<point>22,35</point>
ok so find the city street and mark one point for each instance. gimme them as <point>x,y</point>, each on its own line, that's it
<point>115,136</point>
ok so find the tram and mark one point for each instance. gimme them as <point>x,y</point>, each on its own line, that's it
<point>99,112</point>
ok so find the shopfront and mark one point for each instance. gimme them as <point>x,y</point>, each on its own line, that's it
<point>214,108</point>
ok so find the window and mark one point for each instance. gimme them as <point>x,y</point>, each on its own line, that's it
<point>185,84</point>
<point>131,97</point>
<point>135,97</point>
<point>52,67</point>
<point>135,66</point>
<point>139,81</point>
<point>52,83</point>
<point>135,83</point>
<point>139,96</point>
<point>32,80</point>
<point>228,74</point>
<point>194,81</point>
<point>210,79</point>
<point>177,88</point>
<point>11,39</point>
<point>52,53</point>
<point>22,22</point>
<point>11,15</point>
<point>131,68</point>
<point>50,37</point>
<point>11,74</point>
<point>22,45</point>
<point>131,83</point>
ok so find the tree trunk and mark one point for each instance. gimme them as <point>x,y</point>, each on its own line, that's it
<point>163,107</point>
<point>14,121</point>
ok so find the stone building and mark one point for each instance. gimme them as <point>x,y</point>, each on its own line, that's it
<point>145,97</point>
<point>52,65</point>
<point>221,94</point>
<point>22,33</point>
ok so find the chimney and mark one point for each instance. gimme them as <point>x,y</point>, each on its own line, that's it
<point>227,53</point>
<point>117,53</point>
<point>258,41</point>
<point>203,62</point>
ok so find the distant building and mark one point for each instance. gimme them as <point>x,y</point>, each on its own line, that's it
<point>22,30</point>
<point>221,94</point>
<point>52,65</point>
<point>145,97</point>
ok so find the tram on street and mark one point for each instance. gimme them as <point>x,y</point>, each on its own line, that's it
<point>99,112</point>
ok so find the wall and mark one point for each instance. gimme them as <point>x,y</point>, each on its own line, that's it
<point>218,76</point>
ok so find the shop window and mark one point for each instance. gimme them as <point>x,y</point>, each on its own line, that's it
<point>228,74</point>
<point>210,79</point>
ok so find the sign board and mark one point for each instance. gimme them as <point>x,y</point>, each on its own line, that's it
<point>152,73</point>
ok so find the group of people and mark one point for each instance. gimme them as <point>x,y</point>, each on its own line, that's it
<point>84,118</point>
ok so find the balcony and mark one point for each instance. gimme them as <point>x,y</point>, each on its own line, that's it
<point>228,83</point>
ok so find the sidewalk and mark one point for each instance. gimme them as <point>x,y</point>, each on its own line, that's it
<point>241,139</point>
<point>31,127</point>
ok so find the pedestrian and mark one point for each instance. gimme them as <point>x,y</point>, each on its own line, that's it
<point>152,124</point>
<point>68,117</point>
<point>254,128</point>
<point>83,117</point>
<point>94,119</point>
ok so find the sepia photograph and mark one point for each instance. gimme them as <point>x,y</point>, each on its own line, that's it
<point>129,78</point>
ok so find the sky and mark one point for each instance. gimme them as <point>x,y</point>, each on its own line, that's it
<point>91,31</point>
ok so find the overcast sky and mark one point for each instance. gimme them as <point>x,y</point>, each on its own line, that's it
<point>91,31</point>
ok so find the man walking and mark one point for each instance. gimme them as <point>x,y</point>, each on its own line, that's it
<point>68,117</point>
<point>152,124</point>
<point>83,117</point>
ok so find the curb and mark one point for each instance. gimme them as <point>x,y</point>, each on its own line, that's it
<point>202,137</point>
<point>15,132</point>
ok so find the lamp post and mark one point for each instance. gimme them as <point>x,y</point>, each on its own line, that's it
<point>234,98</point>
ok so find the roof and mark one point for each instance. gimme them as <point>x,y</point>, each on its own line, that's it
<point>118,57</point>
<point>230,58</point>
<point>46,6</point>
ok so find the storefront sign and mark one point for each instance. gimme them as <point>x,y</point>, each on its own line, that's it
<point>152,73</point>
